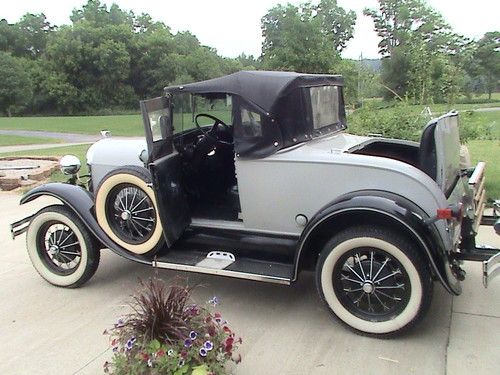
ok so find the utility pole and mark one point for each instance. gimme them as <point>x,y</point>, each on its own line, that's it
<point>360,83</point>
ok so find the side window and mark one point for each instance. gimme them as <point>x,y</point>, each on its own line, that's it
<point>251,124</point>
<point>159,121</point>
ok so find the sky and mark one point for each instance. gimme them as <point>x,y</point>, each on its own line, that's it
<point>233,26</point>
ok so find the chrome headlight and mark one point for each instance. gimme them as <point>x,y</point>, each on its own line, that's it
<point>69,164</point>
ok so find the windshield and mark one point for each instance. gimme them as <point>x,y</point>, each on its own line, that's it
<point>187,106</point>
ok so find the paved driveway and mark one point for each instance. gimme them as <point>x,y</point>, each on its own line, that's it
<point>286,330</point>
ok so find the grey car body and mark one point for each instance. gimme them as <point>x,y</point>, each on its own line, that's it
<point>274,184</point>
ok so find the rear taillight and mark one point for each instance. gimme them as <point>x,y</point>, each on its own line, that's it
<point>452,212</point>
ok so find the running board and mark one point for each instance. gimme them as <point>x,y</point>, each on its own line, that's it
<point>240,268</point>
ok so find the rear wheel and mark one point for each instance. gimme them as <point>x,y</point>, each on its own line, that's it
<point>374,280</point>
<point>126,210</point>
<point>61,248</point>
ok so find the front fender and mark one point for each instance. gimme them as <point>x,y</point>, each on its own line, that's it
<point>393,210</point>
<point>82,204</point>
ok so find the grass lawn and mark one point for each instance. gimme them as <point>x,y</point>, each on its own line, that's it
<point>125,125</point>
<point>488,151</point>
<point>11,140</point>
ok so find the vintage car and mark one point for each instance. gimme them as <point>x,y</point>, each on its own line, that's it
<point>253,176</point>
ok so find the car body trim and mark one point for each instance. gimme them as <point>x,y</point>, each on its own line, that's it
<point>236,226</point>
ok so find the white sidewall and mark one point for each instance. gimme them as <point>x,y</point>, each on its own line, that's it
<point>100,208</point>
<point>399,321</point>
<point>43,270</point>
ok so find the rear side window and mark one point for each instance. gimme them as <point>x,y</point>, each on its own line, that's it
<point>324,106</point>
<point>251,123</point>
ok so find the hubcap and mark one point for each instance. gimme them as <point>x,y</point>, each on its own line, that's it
<point>373,284</point>
<point>126,215</point>
<point>368,287</point>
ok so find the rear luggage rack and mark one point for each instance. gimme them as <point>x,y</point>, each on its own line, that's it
<point>476,183</point>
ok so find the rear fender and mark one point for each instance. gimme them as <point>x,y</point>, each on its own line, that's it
<point>82,203</point>
<point>384,208</point>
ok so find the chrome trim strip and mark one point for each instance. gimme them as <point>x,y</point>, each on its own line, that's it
<point>491,269</point>
<point>478,173</point>
<point>422,242</point>
<point>218,272</point>
<point>236,226</point>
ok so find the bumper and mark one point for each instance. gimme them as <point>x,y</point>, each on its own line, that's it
<point>491,269</point>
<point>20,226</point>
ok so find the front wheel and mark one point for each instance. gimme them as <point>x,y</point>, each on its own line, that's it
<point>61,248</point>
<point>374,280</point>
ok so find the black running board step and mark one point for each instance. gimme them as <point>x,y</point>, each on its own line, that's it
<point>241,268</point>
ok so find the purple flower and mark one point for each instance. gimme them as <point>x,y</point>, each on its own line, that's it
<point>120,323</point>
<point>188,343</point>
<point>213,301</point>
<point>208,345</point>
<point>193,335</point>
<point>130,343</point>
<point>203,352</point>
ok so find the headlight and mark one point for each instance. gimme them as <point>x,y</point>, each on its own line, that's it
<point>69,164</point>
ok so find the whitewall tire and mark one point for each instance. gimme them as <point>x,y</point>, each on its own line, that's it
<point>374,280</point>
<point>61,248</point>
<point>126,210</point>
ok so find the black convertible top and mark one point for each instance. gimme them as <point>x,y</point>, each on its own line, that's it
<point>262,88</point>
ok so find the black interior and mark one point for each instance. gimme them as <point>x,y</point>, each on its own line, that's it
<point>427,157</point>
<point>208,173</point>
<point>421,156</point>
<point>407,152</point>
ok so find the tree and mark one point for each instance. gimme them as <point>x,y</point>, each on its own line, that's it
<point>26,38</point>
<point>487,58</point>
<point>420,51</point>
<point>15,85</point>
<point>307,38</point>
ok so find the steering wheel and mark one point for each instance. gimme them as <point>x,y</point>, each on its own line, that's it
<point>213,133</point>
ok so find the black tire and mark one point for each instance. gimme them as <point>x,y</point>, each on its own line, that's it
<point>121,194</point>
<point>374,280</point>
<point>53,229</point>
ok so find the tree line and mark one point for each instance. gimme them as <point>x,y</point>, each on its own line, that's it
<point>109,58</point>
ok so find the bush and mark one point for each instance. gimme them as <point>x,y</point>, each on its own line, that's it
<point>166,334</point>
<point>399,121</point>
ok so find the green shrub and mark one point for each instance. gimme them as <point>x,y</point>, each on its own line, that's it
<point>399,121</point>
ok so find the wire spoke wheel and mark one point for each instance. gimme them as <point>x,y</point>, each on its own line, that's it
<point>131,213</point>
<point>59,248</point>
<point>373,284</point>
<point>374,280</point>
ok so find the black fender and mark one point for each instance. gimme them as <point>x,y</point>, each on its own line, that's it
<point>82,203</point>
<point>388,209</point>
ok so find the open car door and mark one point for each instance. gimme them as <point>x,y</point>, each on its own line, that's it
<point>165,166</point>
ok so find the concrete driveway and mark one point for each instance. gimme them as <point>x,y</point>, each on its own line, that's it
<point>286,330</point>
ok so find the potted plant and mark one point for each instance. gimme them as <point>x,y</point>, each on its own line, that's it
<point>168,334</point>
